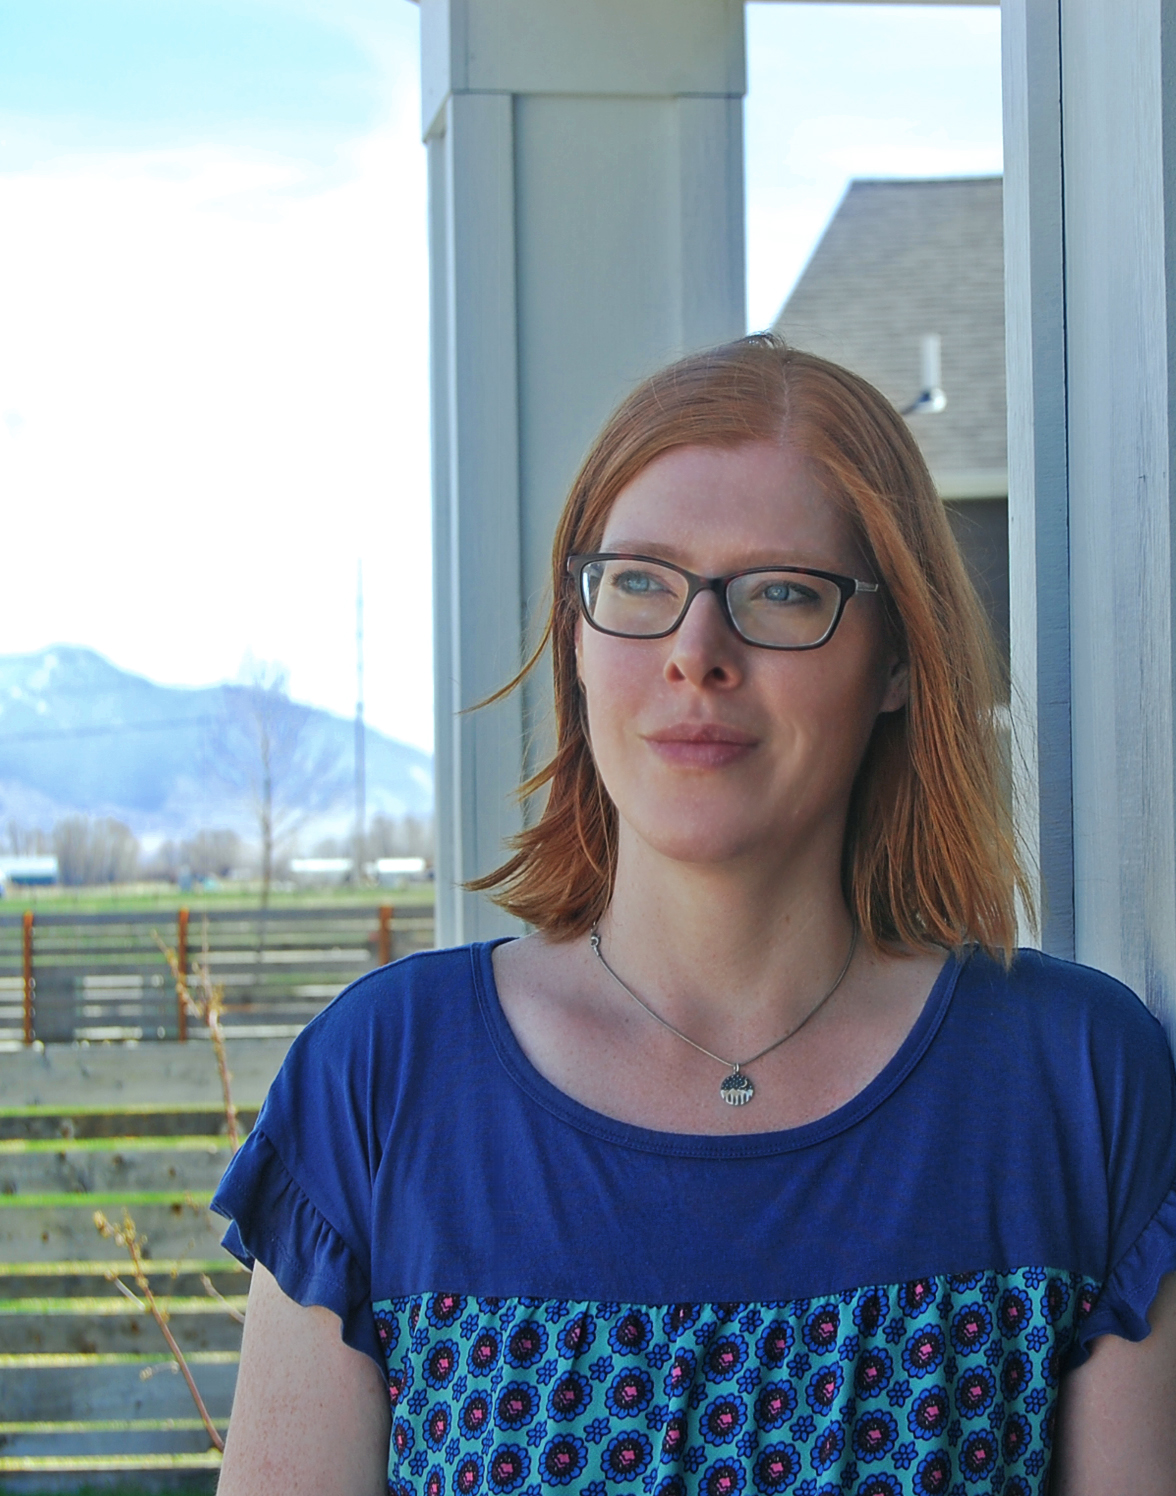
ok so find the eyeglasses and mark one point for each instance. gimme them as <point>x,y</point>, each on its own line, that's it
<point>773,607</point>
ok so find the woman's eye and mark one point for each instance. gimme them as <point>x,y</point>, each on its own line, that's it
<point>786,592</point>
<point>637,583</point>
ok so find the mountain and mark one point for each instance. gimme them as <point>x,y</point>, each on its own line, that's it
<point>79,735</point>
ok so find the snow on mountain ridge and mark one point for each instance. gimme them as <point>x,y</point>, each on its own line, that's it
<point>77,734</point>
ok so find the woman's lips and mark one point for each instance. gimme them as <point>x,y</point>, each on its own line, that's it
<point>701,745</point>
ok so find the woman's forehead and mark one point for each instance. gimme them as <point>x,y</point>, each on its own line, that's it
<point>761,497</point>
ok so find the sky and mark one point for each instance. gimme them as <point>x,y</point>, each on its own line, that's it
<point>213,307</point>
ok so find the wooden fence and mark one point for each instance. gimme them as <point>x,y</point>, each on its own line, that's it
<point>87,1386</point>
<point>90,977</point>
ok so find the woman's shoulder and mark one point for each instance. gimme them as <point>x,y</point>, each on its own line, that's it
<point>1060,1020</point>
<point>411,1013</point>
<point>403,991</point>
<point>1046,989</point>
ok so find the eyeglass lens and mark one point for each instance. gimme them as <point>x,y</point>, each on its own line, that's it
<point>781,609</point>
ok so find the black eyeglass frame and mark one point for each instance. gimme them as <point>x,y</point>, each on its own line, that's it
<point>847,586</point>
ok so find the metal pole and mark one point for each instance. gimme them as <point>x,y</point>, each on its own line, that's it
<point>360,768</point>
<point>29,980</point>
<point>182,968</point>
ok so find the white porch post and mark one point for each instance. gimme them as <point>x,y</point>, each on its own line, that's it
<point>1118,114</point>
<point>586,207</point>
<point>1112,175</point>
<point>1039,564</point>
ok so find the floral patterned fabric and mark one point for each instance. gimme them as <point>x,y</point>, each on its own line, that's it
<point>941,1387</point>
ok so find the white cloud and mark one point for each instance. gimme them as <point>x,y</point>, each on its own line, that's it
<point>220,377</point>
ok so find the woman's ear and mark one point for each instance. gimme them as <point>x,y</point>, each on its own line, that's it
<point>897,690</point>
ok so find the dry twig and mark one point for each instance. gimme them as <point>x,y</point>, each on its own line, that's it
<point>208,1007</point>
<point>127,1237</point>
<point>213,1292</point>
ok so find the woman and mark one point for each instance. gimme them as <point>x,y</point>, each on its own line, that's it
<point>761,1166</point>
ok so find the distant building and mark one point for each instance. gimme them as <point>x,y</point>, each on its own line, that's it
<point>902,264</point>
<point>395,872</point>
<point>388,872</point>
<point>27,872</point>
<point>321,869</point>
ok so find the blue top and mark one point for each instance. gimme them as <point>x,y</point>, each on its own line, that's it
<point>880,1302</point>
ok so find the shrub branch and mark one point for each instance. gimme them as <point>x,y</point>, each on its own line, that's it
<point>127,1237</point>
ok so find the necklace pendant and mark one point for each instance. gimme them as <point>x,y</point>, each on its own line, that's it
<point>737,1089</point>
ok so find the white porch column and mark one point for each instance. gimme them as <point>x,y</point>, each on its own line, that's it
<point>1112,175</point>
<point>1039,566</point>
<point>586,207</point>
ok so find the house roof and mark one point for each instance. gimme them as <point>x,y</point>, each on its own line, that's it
<point>900,260</point>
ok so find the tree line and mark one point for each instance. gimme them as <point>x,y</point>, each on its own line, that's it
<point>95,850</point>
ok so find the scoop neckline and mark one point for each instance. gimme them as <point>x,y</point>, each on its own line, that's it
<point>707,1145</point>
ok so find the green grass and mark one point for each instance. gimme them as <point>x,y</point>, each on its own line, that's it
<point>43,1361</point>
<point>156,1267</point>
<point>165,897</point>
<point>109,1307</point>
<point>103,1200</point>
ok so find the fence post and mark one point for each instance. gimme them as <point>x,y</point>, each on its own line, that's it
<point>29,981</point>
<point>385,948</point>
<point>182,968</point>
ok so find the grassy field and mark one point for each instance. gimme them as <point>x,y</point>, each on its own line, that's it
<point>165,897</point>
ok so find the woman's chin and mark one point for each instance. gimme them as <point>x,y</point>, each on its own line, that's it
<point>705,847</point>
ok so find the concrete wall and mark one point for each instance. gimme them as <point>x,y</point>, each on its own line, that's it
<point>67,1075</point>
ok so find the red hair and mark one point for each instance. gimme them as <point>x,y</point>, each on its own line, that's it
<point>930,858</point>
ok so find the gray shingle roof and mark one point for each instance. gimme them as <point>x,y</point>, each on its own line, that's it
<point>901,259</point>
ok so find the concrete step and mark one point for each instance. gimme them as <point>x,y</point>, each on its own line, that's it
<point>105,1165</point>
<point>80,1280</point>
<point>105,1324</point>
<point>88,1387</point>
<point>103,1121</point>
<point>72,1387</point>
<point>119,1437</point>
<point>117,1475</point>
<point>60,1227</point>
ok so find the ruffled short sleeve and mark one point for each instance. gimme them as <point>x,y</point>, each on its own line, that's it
<point>298,1193</point>
<point>1121,1308</point>
<point>273,1221</point>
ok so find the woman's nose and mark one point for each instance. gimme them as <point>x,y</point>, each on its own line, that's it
<point>704,647</point>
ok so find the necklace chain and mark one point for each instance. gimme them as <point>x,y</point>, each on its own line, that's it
<point>737,1088</point>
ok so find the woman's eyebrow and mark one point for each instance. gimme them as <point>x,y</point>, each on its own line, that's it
<point>659,548</point>
<point>664,551</point>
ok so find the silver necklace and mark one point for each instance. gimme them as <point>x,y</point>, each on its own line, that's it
<point>737,1088</point>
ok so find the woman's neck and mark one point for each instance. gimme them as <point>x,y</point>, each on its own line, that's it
<point>733,952</point>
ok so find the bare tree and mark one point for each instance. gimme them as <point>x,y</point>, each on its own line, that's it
<point>408,836</point>
<point>386,836</point>
<point>211,854</point>
<point>26,841</point>
<point>94,851</point>
<point>208,854</point>
<point>263,748</point>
